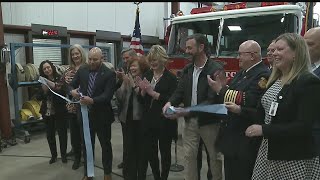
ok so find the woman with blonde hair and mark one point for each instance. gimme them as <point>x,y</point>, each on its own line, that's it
<point>289,108</point>
<point>157,87</point>
<point>77,57</point>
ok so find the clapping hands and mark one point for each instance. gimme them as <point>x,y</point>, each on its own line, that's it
<point>217,81</point>
<point>144,85</point>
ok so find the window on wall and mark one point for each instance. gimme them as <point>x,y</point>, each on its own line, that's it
<point>107,51</point>
<point>47,53</point>
<point>82,42</point>
<point>126,44</point>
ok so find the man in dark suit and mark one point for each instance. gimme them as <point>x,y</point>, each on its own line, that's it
<point>97,84</point>
<point>312,37</point>
<point>243,94</point>
<point>193,89</point>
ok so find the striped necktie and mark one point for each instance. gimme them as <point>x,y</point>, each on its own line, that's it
<point>92,78</point>
<point>313,66</point>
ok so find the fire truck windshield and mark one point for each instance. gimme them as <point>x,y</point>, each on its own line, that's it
<point>181,31</point>
<point>262,29</point>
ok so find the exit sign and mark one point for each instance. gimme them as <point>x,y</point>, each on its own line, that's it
<point>50,32</point>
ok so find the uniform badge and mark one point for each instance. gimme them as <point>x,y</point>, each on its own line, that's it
<point>262,83</point>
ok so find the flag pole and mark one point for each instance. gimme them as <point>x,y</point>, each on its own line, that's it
<point>136,36</point>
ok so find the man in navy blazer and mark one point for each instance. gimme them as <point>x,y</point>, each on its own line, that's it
<point>312,37</point>
<point>97,84</point>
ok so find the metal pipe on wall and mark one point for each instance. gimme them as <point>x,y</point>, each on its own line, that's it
<point>175,7</point>
<point>5,122</point>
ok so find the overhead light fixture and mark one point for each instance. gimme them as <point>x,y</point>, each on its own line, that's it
<point>234,28</point>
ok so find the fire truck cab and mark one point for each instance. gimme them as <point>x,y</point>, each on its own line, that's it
<point>228,28</point>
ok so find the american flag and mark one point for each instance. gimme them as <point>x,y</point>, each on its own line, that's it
<point>136,37</point>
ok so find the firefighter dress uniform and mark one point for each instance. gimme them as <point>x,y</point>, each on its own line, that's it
<point>240,151</point>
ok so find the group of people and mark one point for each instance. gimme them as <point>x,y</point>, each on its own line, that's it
<point>96,82</point>
<point>141,84</point>
<point>144,86</point>
<point>272,127</point>
<point>272,130</point>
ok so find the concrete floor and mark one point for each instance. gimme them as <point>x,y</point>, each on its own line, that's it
<point>30,161</point>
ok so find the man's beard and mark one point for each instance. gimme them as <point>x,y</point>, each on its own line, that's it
<point>195,57</point>
<point>192,57</point>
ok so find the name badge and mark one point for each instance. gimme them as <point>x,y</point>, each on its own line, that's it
<point>273,108</point>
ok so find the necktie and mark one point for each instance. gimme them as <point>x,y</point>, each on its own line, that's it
<point>313,65</point>
<point>92,78</point>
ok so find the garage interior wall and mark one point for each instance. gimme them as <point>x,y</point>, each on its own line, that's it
<point>105,16</point>
<point>20,58</point>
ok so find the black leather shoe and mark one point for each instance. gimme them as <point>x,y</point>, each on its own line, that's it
<point>71,153</point>
<point>76,165</point>
<point>87,178</point>
<point>53,160</point>
<point>120,166</point>
<point>64,159</point>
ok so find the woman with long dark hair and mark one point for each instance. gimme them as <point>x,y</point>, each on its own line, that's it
<point>53,110</point>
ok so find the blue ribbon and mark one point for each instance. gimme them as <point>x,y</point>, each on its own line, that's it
<point>87,140</point>
<point>86,129</point>
<point>212,108</point>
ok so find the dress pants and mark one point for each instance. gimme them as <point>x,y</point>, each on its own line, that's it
<point>199,159</point>
<point>76,139</point>
<point>238,168</point>
<point>191,138</point>
<point>134,168</point>
<point>124,130</point>
<point>101,127</point>
<point>56,123</point>
<point>157,139</point>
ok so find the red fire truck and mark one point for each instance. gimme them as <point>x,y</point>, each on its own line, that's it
<point>228,26</point>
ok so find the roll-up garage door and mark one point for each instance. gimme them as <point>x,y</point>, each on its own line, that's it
<point>47,53</point>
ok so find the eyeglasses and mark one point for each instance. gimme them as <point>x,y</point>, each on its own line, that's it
<point>271,50</point>
<point>241,53</point>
